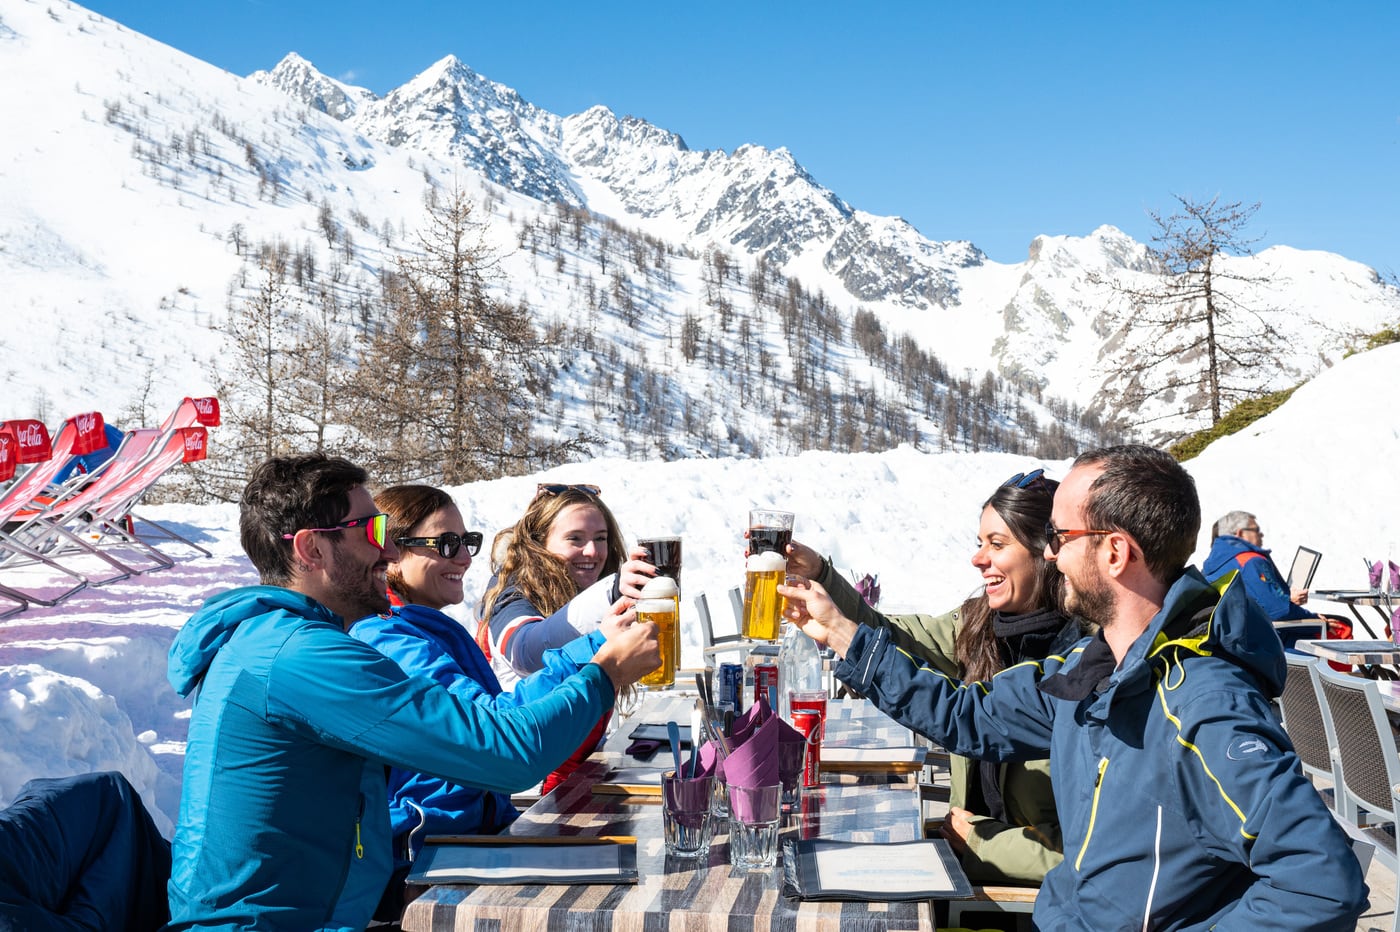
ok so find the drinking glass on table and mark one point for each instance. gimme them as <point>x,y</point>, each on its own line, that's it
<point>754,814</point>
<point>813,700</point>
<point>686,814</point>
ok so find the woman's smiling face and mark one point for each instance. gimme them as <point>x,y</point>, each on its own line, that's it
<point>579,538</point>
<point>429,578</point>
<point>1008,568</point>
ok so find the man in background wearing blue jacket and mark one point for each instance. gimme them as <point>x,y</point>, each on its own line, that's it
<point>284,823</point>
<point>1239,547</point>
<point>1180,798</point>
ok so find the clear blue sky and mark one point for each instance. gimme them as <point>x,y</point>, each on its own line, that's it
<point>991,122</point>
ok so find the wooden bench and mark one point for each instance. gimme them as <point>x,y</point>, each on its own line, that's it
<point>993,899</point>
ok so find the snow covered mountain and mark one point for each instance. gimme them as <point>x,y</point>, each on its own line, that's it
<point>141,184</point>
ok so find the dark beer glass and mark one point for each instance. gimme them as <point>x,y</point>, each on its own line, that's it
<point>770,531</point>
<point>665,554</point>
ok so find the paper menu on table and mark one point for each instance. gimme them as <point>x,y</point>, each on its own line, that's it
<point>839,870</point>
<point>517,860</point>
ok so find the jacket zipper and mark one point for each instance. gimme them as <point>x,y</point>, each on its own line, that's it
<point>359,816</point>
<point>1093,813</point>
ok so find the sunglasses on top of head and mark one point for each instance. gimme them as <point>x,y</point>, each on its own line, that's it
<point>559,488</point>
<point>1034,481</point>
<point>446,544</point>
<point>375,527</point>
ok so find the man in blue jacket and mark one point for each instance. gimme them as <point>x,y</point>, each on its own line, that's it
<point>284,824</point>
<point>1180,797</point>
<point>1239,547</point>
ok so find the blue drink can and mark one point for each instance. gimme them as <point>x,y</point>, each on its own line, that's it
<point>731,686</point>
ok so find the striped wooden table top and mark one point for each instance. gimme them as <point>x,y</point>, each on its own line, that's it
<point>688,895</point>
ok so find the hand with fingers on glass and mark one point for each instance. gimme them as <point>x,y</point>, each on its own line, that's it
<point>810,608</point>
<point>632,649</point>
<point>803,561</point>
<point>635,573</point>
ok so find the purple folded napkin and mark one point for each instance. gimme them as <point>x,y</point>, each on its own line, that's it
<point>687,798</point>
<point>1394,576</point>
<point>710,759</point>
<point>745,725</point>
<point>772,754</point>
<point>1375,570</point>
<point>645,748</point>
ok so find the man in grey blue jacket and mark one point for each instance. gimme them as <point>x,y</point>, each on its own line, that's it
<point>1180,798</point>
<point>283,818</point>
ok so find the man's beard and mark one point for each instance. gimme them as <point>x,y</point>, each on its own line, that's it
<point>1092,599</point>
<point>356,585</point>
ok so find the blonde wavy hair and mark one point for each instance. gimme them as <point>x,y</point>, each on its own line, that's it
<point>539,575</point>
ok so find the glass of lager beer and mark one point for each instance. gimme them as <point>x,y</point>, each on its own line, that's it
<point>660,604</point>
<point>763,607</point>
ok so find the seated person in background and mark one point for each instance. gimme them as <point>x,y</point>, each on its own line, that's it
<point>1239,545</point>
<point>564,564</point>
<point>435,551</point>
<point>1001,816</point>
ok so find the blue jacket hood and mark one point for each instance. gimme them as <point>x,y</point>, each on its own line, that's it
<point>209,629</point>
<point>1206,619</point>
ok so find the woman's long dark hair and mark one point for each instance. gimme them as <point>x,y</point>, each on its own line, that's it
<point>1026,512</point>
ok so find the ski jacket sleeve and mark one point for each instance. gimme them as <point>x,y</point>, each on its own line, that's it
<point>929,637</point>
<point>340,691</point>
<point>1004,718</point>
<point>462,668</point>
<point>531,635</point>
<point>1267,588</point>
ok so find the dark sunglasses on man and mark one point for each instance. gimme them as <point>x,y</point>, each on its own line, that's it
<point>447,544</point>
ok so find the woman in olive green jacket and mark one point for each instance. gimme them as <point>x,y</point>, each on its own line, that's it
<point>1001,817</point>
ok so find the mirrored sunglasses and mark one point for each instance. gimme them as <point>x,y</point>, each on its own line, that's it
<point>375,528</point>
<point>446,544</point>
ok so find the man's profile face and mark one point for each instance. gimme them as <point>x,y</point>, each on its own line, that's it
<point>357,566</point>
<point>1088,592</point>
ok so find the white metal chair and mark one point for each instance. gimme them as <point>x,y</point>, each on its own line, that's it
<point>1302,719</point>
<point>713,644</point>
<point>1364,747</point>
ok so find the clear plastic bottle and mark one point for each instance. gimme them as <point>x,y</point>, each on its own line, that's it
<point>799,667</point>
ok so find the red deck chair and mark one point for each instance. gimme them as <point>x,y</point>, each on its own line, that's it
<point>75,436</point>
<point>46,529</point>
<point>112,513</point>
<point>193,411</point>
<point>31,442</point>
<point>94,514</point>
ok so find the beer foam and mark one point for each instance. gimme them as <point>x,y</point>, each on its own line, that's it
<point>656,607</point>
<point>767,562</point>
<point>660,587</point>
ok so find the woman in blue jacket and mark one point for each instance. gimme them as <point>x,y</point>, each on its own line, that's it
<point>435,551</point>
